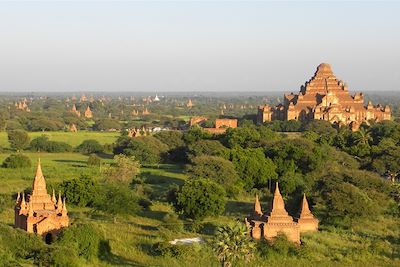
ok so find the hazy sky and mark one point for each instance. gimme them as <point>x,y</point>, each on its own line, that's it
<point>196,46</point>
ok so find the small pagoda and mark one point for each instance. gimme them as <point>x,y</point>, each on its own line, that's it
<point>277,220</point>
<point>40,213</point>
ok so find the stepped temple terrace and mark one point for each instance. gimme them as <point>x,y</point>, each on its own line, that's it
<point>269,225</point>
<point>41,213</point>
<point>324,97</point>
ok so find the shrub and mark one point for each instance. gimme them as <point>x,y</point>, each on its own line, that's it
<point>17,161</point>
<point>80,191</point>
<point>94,160</point>
<point>200,198</point>
<point>90,146</point>
<point>42,143</point>
<point>84,239</point>
<point>18,139</point>
<point>117,199</point>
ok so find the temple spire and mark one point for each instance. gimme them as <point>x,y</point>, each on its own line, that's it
<point>39,183</point>
<point>257,207</point>
<point>18,198</point>
<point>278,206</point>
<point>23,203</point>
<point>305,209</point>
<point>53,197</point>
<point>30,209</point>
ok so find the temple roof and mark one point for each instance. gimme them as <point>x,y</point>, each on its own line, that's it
<point>305,209</point>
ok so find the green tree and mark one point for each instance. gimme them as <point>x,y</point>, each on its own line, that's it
<point>147,149</point>
<point>17,161</point>
<point>80,191</point>
<point>125,169</point>
<point>90,146</point>
<point>207,148</point>
<point>200,198</point>
<point>18,139</point>
<point>233,245</point>
<point>244,137</point>
<point>217,169</point>
<point>254,169</point>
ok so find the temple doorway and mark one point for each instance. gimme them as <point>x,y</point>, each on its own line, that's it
<point>49,238</point>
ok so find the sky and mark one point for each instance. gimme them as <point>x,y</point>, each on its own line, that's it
<point>196,46</point>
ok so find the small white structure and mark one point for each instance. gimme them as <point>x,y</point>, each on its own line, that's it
<point>156,99</point>
<point>187,240</point>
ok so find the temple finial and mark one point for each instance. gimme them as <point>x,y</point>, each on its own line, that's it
<point>53,197</point>
<point>30,209</point>
<point>257,207</point>
<point>39,183</point>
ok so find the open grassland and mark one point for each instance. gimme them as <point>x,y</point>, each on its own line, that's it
<point>132,237</point>
<point>73,139</point>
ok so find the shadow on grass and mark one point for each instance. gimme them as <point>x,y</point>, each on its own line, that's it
<point>235,208</point>
<point>106,255</point>
<point>156,215</point>
<point>70,161</point>
<point>105,155</point>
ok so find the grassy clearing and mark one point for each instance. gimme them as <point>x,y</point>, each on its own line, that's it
<point>73,139</point>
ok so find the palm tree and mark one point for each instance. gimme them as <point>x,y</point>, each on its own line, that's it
<point>363,137</point>
<point>233,243</point>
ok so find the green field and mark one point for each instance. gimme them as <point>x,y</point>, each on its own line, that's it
<point>73,139</point>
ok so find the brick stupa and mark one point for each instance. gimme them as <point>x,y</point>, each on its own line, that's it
<point>305,219</point>
<point>278,220</point>
<point>40,213</point>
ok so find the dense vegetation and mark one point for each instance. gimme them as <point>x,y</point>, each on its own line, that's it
<point>128,199</point>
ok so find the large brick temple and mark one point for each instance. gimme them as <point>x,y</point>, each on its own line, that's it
<point>324,97</point>
<point>40,213</point>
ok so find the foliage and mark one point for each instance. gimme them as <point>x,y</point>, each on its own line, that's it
<point>17,161</point>
<point>117,199</point>
<point>18,139</point>
<point>195,133</point>
<point>107,124</point>
<point>173,139</point>
<point>243,137</point>
<point>83,239</point>
<point>42,143</point>
<point>94,160</point>
<point>125,169</point>
<point>200,198</point>
<point>254,169</point>
<point>81,191</point>
<point>207,148</point>
<point>147,149</point>
<point>90,146</point>
<point>217,169</point>
<point>233,244</point>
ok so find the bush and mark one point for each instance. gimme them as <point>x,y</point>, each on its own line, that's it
<point>84,239</point>
<point>166,249</point>
<point>18,139</point>
<point>94,160</point>
<point>81,191</point>
<point>90,146</point>
<point>42,143</point>
<point>200,198</point>
<point>147,149</point>
<point>117,199</point>
<point>17,161</point>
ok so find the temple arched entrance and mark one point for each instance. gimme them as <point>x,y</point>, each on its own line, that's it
<point>49,238</point>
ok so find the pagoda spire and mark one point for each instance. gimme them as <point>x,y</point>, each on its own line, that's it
<point>23,203</point>
<point>278,206</point>
<point>53,197</point>
<point>18,198</point>
<point>39,183</point>
<point>30,209</point>
<point>305,209</point>
<point>59,202</point>
<point>257,207</point>
<point>64,209</point>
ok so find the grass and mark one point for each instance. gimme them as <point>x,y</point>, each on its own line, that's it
<point>131,237</point>
<point>74,139</point>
